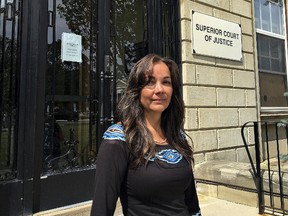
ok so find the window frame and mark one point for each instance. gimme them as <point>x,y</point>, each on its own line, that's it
<point>268,109</point>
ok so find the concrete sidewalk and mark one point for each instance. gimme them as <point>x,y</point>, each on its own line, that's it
<point>210,206</point>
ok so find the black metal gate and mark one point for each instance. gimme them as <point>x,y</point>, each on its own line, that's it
<point>54,112</point>
<point>81,98</point>
<point>10,184</point>
<point>270,164</point>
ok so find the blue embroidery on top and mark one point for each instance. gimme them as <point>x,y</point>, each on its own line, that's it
<point>170,156</point>
<point>114,132</point>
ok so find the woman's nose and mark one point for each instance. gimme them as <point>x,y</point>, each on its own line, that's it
<point>159,88</point>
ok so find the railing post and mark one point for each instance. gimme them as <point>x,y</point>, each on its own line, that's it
<point>258,177</point>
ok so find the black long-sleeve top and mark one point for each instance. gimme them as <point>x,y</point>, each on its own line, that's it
<point>165,187</point>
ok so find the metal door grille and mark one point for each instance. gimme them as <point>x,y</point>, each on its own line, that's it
<point>9,76</point>
<point>70,109</point>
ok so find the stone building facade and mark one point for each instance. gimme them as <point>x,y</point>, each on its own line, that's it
<point>42,94</point>
<point>220,94</point>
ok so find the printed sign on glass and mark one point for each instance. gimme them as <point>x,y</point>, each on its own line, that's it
<point>71,47</point>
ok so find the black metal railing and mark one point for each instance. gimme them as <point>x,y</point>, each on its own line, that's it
<point>269,164</point>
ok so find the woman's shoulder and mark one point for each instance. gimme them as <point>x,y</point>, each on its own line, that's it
<point>114,132</point>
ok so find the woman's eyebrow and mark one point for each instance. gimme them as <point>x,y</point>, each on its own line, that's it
<point>167,77</point>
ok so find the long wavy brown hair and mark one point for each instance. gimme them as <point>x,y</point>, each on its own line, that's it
<point>131,113</point>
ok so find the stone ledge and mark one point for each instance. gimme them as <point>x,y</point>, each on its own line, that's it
<point>233,181</point>
<point>240,174</point>
<point>226,172</point>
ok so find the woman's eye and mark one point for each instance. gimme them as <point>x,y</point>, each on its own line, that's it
<point>167,82</point>
<point>150,83</point>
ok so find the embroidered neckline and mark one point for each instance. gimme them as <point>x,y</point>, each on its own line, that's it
<point>170,156</point>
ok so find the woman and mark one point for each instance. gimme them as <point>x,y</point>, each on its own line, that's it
<point>145,159</point>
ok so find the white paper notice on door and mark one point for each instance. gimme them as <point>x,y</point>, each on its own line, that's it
<point>71,47</point>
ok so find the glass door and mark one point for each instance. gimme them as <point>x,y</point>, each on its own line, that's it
<point>81,97</point>
<point>10,183</point>
<point>70,88</point>
<point>69,148</point>
<point>128,40</point>
<point>54,110</point>
<point>139,27</point>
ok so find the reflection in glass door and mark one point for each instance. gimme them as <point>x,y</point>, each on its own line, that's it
<point>70,90</point>
<point>139,27</point>
<point>9,75</point>
<point>129,38</point>
<point>9,78</point>
<point>11,185</point>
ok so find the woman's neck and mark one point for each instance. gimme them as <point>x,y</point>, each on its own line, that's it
<point>154,126</point>
<point>153,121</point>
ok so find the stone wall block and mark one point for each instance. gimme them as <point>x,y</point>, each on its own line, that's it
<point>188,73</point>
<point>229,138</point>
<point>216,76</point>
<point>249,134</point>
<point>186,29</point>
<point>207,189</point>
<point>222,4</point>
<point>199,158</point>
<point>204,140</point>
<point>230,64</point>
<point>191,118</point>
<point>199,96</point>
<point>247,43</point>
<point>246,26</point>
<point>249,61</point>
<point>243,197</point>
<point>186,51</point>
<point>243,79</point>
<point>219,13</point>
<point>242,7</point>
<point>250,98</point>
<point>242,155</point>
<point>187,6</point>
<point>231,97</point>
<point>226,155</point>
<point>201,59</point>
<point>247,114</point>
<point>218,117</point>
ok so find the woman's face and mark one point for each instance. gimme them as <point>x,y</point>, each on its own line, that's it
<point>156,95</point>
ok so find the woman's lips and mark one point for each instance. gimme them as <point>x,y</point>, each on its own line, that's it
<point>158,100</point>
